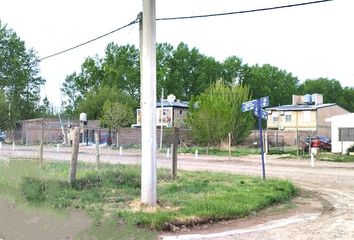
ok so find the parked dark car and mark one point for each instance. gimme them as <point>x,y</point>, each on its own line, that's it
<point>321,142</point>
<point>2,136</point>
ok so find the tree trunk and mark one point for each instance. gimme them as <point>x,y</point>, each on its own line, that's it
<point>117,138</point>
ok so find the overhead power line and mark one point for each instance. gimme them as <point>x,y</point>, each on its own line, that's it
<point>183,18</point>
<point>241,12</point>
<point>89,41</point>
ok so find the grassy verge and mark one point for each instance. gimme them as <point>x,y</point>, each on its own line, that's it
<point>331,157</point>
<point>322,156</point>
<point>114,191</point>
<point>238,151</point>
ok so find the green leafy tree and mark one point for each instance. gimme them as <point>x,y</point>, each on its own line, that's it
<point>19,75</point>
<point>189,72</point>
<point>346,100</point>
<point>233,71</point>
<point>163,66</point>
<point>217,112</point>
<point>116,115</point>
<point>72,91</point>
<point>267,80</point>
<point>76,85</point>
<point>118,69</point>
<point>121,67</point>
<point>4,116</point>
<point>92,102</point>
<point>331,89</point>
<point>46,109</point>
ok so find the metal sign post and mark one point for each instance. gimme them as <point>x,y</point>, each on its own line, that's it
<point>260,135</point>
<point>257,105</point>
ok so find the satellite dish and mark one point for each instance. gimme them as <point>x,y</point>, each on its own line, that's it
<point>171,98</point>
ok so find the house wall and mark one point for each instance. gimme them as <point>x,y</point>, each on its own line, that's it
<point>280,137</point>
<point>179,115</point>
<point>298,119</point>
<point>167,117</point>
<point>171,118</point>
<point>324,127</point>
<point>342,121</point>
<point>31,130</point>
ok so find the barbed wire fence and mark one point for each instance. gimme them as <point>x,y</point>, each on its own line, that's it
<point>47,139</point>
<point>50,139</point>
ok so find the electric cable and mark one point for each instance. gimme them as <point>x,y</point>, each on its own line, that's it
<point>89,41</point>
<point>183,18</point>
<point>241,12</point>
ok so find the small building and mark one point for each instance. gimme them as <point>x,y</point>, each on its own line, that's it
<point>171,112</point>
<point>342,132</point>
<point>306,113</point>
<point>54,131</point>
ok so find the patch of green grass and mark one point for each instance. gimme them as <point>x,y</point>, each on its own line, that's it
<point>332,157</point>
<point>322,156</point>
<point>114,190</point>
<point>289,151</point>
<point>236,152</point>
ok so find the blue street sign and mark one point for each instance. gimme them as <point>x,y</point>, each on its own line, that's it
<point>257,105</point>
<point>264,114</point>
<point>248,106</point>
<point>264,101</point>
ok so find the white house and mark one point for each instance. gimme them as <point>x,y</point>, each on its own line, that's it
<point>171,111</point>
<point>342,133</point>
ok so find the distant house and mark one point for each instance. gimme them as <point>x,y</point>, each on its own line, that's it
<point>306,113</point>
<point>342,132</point>
<point>171,111</point>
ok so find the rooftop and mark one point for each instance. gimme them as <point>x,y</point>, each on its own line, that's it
<point>177,103</point>
<point>301,107</point>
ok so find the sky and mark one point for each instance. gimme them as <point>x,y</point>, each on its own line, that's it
<point>309,41</point>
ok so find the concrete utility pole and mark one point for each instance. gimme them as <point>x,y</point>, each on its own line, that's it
<point>148,105</point>
<point>161,115</point>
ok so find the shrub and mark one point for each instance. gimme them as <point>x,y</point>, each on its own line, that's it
<point>350,149</point>
<point>33,189</point>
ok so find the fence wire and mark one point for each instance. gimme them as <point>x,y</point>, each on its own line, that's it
<point>27,139</point>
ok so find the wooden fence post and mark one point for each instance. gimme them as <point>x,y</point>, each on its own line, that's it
<point>74,156</point>
<point>97,141</point>
<point>174,152</point>
<point>41,145</point>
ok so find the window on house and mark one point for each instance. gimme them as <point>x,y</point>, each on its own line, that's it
<point>287,118</point>
<point>180,112</point>
<point>346,134</point>
<point>275,119</point>
<point>307,116</point>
